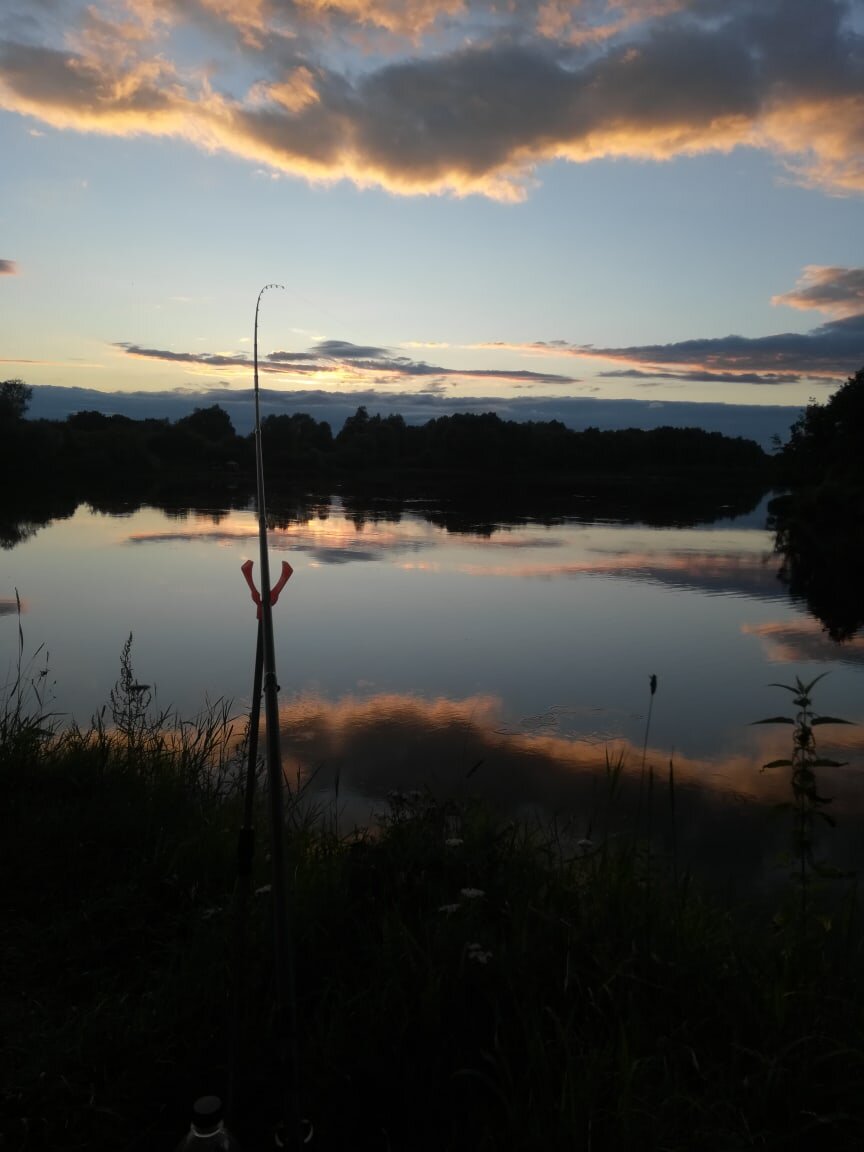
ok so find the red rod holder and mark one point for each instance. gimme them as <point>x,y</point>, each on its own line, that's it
<point>287,572</point>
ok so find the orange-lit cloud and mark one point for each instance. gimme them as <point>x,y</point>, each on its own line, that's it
<point>837,291</point>
<point>8,268</point>
<point>479,96</point>
<point>575,23</point>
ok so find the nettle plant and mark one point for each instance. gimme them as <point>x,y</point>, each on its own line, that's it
<point>808,805</point>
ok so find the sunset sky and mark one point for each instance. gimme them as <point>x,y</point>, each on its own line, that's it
<point>651,199</point>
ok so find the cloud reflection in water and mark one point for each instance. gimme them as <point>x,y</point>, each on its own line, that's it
<point>462,748</point>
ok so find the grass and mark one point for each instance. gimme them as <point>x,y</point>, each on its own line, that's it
<point>464,981</point>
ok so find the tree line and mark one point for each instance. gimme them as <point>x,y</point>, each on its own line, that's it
<point>90,444</point>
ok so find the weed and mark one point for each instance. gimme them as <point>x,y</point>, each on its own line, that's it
<point>25,725</point>
<point>808,805</point>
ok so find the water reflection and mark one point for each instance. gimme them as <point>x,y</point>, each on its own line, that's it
<point>513,662</point>
<point>328,541</point>
<point>352,752</point>
<point>820,539</point>
<point>479,509</point>
<point>718,563</point>
<point>794,642</point>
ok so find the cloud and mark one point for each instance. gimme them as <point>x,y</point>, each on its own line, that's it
<point>834,350</point>
<point>458,96</point>
<point>824,355</point>
<point>204,359</point>
<point>8,268</point>
<point>352,362</point>
<point>705,377</point>
<point>340,349</point>
<point>837,291</point>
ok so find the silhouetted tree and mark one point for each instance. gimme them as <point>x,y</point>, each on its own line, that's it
<point>15,397</point>
<point>211,423</point>
<point>825,442</point>
<point>295,440</point>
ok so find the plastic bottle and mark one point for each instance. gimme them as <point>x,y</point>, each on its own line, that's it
<point>207,1130</point>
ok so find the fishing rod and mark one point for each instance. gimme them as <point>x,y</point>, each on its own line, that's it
<point>286,1004</point>
<point>246,847</point>
<point>208,1112</point>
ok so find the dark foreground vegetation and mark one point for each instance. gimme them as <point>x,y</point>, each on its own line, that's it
<point>464,982</point>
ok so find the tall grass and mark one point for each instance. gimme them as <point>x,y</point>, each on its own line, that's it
<point>465,980</point>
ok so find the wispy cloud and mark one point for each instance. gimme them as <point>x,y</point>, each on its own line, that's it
<point>459,96</point>
<point>703,376</point>
<point>349,362</point>
<point>8,268</point>
<point>71,363</point>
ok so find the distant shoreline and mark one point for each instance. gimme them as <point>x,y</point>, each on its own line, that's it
<point>758,422</point>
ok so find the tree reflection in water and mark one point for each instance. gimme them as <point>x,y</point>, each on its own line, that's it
<point>820,536</point>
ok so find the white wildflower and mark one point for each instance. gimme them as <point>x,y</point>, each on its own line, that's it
<point>479,953</point>
<point>453,842</point>
<point>448,908</point>
<point>472,893</point>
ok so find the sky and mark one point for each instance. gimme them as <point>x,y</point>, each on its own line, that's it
<point>522,204</point>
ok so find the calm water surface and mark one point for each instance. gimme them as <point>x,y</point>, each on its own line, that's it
<point>513,661</point>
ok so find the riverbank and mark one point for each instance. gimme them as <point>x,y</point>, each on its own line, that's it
<point>463,981</point>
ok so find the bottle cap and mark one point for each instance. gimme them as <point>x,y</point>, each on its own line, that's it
<point>207,1113</point>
